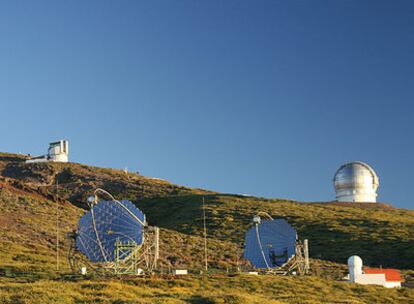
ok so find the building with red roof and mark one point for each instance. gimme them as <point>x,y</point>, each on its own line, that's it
<point>389,278</point>
<point>392,276</point>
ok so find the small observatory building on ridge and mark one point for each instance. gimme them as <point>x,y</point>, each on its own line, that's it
<point>58,152</point>
<point>356,182</point>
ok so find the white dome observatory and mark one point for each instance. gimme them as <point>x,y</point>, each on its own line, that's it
<point>356,182</point>
<point>355,267</point>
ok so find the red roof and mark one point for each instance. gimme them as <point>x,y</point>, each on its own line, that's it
<point>391,275</point>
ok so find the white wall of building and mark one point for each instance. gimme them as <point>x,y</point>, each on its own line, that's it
<point>370,279</point>
<point>57,152</point>
<point>355,196</point>
<point>356,275</point>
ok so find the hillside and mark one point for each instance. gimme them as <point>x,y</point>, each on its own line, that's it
<point>381,235</point>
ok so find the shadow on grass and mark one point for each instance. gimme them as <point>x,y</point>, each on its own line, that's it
<point>337,246</point>
<point>335,240</point>
<point>200,300</point>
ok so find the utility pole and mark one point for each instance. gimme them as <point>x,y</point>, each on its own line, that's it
<point>205,236</point>
<point>237,258</point>
<point>306,254</point>
<point>57,225</point>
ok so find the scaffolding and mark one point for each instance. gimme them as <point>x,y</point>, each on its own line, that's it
<point>298,265</point>
<point>130,258</point>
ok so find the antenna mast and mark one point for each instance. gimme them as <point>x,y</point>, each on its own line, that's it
<point>205,236</point>
<point>57,225</point>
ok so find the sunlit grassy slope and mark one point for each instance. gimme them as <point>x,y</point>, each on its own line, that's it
<point>381,235</point>
<point>200,290</point>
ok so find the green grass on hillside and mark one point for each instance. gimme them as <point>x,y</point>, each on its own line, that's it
<point>381,236</point>
<point>198,290</point>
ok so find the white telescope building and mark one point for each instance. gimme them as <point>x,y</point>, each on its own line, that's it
<point>58,152</point>
<point>390,278</point>
<point>356,182</point>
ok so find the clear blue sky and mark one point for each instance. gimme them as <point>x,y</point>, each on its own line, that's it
<point>261,97</point>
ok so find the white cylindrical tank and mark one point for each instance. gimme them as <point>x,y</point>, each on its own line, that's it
<point>355,267</point>
<point>356,182</point>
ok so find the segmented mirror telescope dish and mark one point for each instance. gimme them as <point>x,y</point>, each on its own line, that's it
<point>106,223</point>
<point>270,244</point>
<point>356,182</point>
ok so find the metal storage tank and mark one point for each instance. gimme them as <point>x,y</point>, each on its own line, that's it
<point>356,182</point>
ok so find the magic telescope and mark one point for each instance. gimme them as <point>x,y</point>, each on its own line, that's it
<point>114,235</point>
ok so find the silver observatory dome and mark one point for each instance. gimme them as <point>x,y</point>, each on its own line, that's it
<point>356,182</point>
